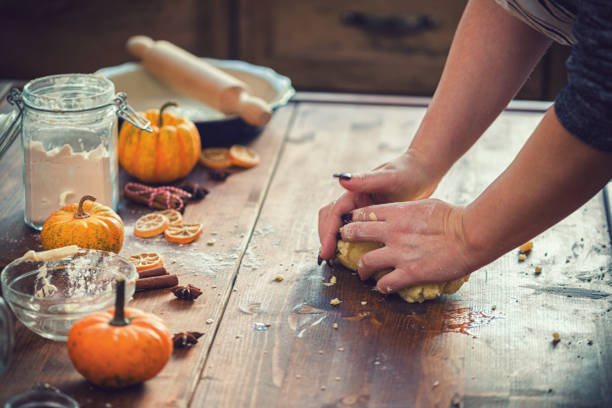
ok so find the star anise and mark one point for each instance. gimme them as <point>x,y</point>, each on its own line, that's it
<point>196,190</point>
<point>188,292</point>
<point>186,339</point>
<point>219,174</point>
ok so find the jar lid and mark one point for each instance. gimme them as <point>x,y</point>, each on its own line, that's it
<point>68,92</point>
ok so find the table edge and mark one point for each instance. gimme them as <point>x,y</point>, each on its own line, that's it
<point>396,100</point>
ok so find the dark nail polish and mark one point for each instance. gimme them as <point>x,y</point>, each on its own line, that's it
<point>346,218</point>
<point>343,176</point>
<point>319,260</point>
<point>338,236</point>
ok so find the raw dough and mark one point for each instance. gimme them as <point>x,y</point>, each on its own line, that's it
<point>349,254</point>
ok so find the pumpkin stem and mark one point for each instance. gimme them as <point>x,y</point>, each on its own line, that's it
<point>119,319</point>
<point>161,112</point>
<point>80,212</point>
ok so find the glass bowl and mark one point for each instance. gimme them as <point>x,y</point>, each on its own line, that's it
<point>49,297</point>
<point>42,396</point>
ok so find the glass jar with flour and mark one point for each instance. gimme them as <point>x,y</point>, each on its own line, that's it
<point>69,140</point>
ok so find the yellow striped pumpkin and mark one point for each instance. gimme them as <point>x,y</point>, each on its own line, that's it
<point>168,153</point>
<point>87,224</point>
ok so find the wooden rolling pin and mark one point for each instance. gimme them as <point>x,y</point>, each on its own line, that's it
<point>199,79</point>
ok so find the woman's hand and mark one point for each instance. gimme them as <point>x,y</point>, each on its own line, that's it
<point>424,243</point>
<point>402,179</point>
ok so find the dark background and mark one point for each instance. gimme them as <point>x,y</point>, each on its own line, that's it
<point>385,46</point>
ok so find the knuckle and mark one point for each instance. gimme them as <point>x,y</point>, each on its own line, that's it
<point>347,232</point>
<point>365,262</point>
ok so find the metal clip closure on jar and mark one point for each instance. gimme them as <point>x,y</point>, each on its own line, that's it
<point>69,141</point>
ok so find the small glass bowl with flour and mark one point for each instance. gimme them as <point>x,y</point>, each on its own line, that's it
<point>48,297</point>
<point>68,132</point>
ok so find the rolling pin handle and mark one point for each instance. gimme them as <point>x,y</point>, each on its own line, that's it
<point>253,110</point>
<point>138,45</point>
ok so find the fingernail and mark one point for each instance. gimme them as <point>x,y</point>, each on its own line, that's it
<point>343,176</point>
<point>319,260</point>
<point>346,218</point>
<point>338,236</point>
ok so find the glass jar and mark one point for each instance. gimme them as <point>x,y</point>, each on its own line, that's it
<point>69,141</point>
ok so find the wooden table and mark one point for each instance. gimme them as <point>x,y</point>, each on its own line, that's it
<point>489,345</point>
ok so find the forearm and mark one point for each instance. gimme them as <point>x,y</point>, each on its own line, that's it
<point>491,56</point>
<point>553,175</point>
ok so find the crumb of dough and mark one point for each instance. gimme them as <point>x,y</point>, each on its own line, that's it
<point>556,338</point>
<point>211,242</point>
<point>332,281</point>
<point>335,302</point>
<point>493,307</point>
<point>209,321</point>
<point>279,278</point>
<point>335,326</point>
<point>372,217</point>
<point>340,348</point>
<point>522,258</point>
<point>363,303</point>
<point>538,270</point>
<point>323,388</point>
<point>338,378</point>
<point>526,247</point>
<point>377,363</point>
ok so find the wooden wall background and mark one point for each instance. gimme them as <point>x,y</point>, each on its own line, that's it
<point>311,42</point>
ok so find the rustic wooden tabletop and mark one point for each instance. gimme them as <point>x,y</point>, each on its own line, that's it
<point>489,345</point>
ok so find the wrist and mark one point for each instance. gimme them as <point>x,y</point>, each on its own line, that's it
<point>433,165</point>
<point>477,249</point>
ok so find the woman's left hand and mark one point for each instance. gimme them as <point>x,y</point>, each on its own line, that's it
<point>424,243</point>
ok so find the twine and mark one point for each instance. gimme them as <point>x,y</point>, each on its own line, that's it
<point>168,192</point>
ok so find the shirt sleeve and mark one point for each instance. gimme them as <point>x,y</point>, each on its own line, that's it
<point>584,106</point>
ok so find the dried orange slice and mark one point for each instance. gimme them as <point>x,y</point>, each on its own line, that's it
<point>150,225</point>
<point>215,158</point>
<point>183,234</point>
<point>243,156</point>
<point>174,217</point>
<point>146,261</point>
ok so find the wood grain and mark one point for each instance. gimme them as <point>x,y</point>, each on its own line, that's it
<point>308,42</point>
<point>73,36</point>
<point>228,214</point>
<point>488,345</point>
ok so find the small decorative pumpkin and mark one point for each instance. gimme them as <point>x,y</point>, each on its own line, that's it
<point>120,347</point>
<point>168,153</point>
<point>86,224</point>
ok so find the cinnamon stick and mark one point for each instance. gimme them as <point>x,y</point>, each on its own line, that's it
<point>156,282</point>
<point>147,273</point>
<point>159,202</point>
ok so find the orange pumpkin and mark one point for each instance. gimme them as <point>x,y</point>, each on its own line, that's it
<point>86,224</point>
<point>168,153</point>
<point>120,347</point>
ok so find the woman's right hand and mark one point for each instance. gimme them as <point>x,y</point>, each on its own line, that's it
<point>404,178</point>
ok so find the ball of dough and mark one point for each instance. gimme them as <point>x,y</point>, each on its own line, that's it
<point>349,254</point>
